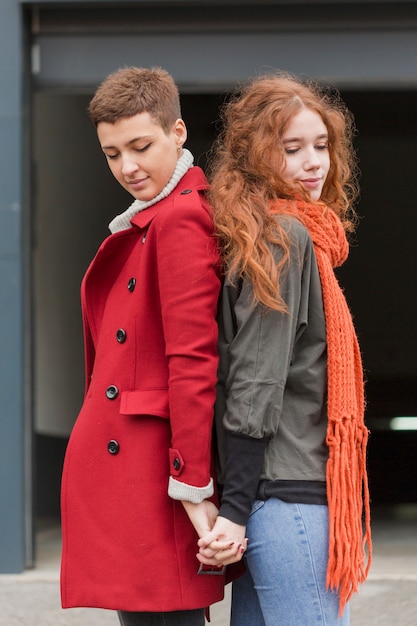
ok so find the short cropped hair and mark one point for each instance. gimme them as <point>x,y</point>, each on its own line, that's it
<point>134,90</point>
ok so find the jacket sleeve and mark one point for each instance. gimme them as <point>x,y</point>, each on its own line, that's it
<point>189,284</point>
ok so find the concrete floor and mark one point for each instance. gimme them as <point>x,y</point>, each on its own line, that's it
<point>388,598</point>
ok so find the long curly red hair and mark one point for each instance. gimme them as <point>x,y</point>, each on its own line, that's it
<point>245,173</point>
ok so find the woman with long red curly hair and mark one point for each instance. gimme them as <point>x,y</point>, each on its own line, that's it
<point>290,403</point>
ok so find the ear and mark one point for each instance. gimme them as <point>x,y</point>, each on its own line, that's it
<point>180,131</point>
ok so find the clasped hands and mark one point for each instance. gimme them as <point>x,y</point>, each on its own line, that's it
<point>221,541</point>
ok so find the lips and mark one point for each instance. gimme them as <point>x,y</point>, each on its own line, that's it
<point>312,183</point>
<point>138,183</point>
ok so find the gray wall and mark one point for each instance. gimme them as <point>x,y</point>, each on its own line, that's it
<point>12,457</point>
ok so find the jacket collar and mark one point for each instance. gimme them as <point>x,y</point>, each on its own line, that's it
<point>193,179</point>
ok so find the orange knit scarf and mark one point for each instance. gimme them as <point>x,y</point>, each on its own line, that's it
<point>347,485</point>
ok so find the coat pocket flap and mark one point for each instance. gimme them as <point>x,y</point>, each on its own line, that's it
<point>145,402</point>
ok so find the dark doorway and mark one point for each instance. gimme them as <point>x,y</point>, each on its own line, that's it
<point>380,277</point>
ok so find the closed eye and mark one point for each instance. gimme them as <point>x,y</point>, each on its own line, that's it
<point>148,145</point>
<point>291,150</point>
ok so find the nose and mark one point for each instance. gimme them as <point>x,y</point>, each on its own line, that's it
<point>312,160</point>
<point>129,165</point>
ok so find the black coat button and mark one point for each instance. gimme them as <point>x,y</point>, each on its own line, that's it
<point>177,463</point>
<point>121,335</point>
<point>185,191</point>
<point>131,284</point>
<point>113,447</point>
<point>112,392</point>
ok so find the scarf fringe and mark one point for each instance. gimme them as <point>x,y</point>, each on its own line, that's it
<point>350,549</point>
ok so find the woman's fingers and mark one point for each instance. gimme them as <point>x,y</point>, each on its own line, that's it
<point>222,552</point>
<point>216,545</point>
<point>224,544</point>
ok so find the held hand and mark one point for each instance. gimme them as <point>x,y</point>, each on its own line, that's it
<point>202,515</point>
<point>225,544</point>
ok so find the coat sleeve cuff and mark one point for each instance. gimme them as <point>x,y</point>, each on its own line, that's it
<point>181,491</point>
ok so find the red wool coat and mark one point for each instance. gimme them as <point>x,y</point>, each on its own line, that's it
<point>149,303</point>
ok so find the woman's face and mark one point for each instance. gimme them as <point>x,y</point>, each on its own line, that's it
<point>307,159</point>
<point>141,155</point>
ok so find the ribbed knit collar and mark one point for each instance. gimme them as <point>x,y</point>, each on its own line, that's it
<point>122,221</point>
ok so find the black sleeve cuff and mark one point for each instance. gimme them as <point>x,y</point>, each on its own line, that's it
<point>244,462</point>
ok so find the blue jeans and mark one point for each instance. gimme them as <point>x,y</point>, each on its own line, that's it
<point>174,618</point>
<point>286,559</point>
